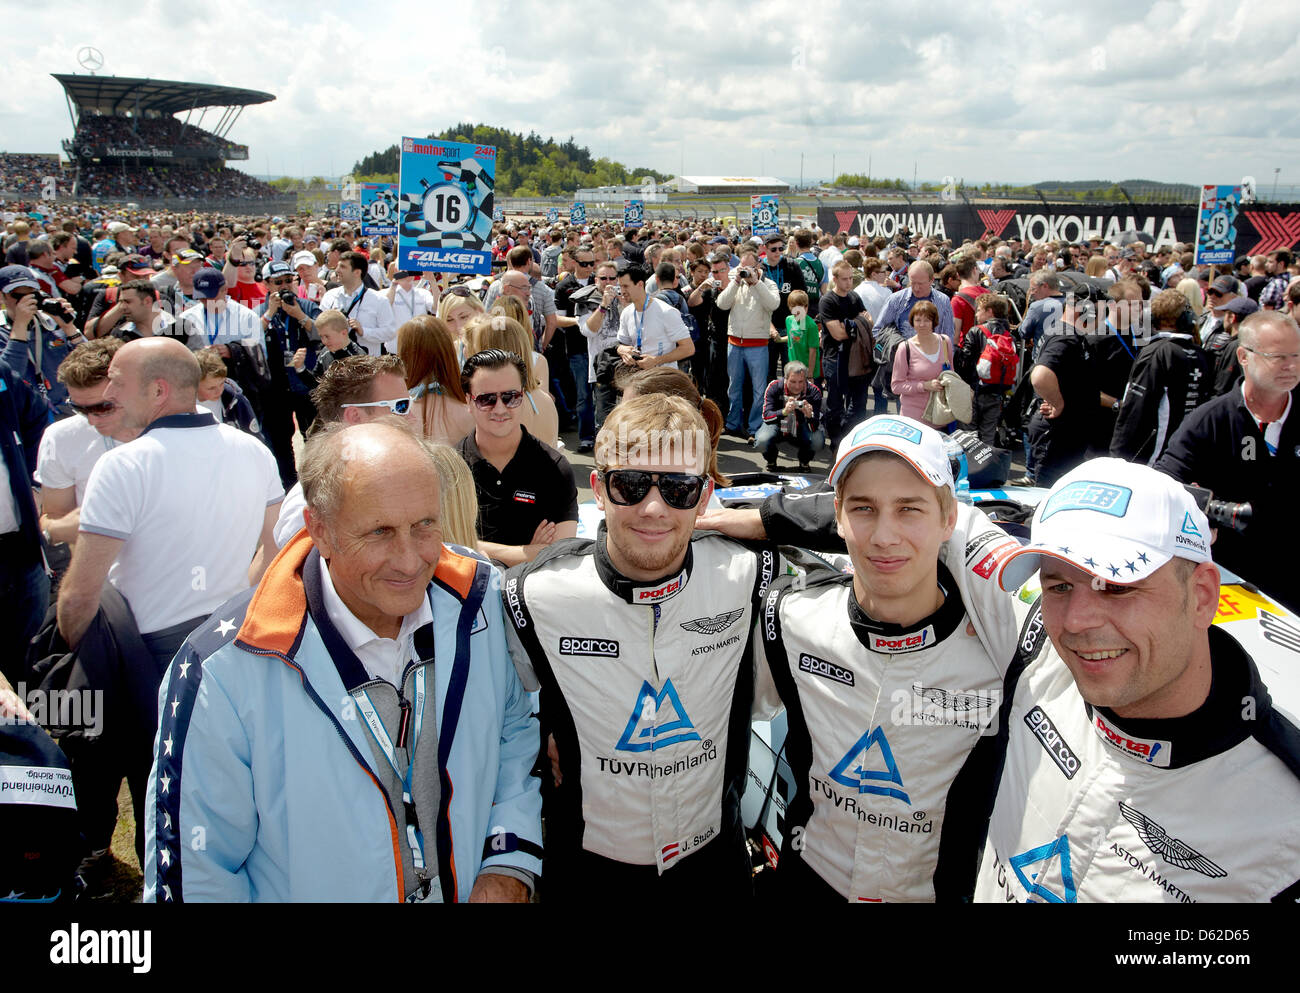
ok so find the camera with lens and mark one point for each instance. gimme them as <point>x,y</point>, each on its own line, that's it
<point>47,304</point>
<point>1235,516</point>
<point>288,296</point>
<point>1221,513</point>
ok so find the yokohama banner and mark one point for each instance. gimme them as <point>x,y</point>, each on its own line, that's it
<point>1261,227</point>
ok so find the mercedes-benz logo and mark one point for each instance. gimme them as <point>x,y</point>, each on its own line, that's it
<point>90,58</point>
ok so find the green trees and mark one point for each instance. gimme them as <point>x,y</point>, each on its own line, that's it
<point>527,165</point>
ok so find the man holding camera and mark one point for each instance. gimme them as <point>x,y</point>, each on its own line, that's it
<point>650,332</point>
<point>287,325</point>
<point>791,412</point>
<point>751,299</point>
<point>369,315</point>
<point>1245,448</point>
<point>39,333</point>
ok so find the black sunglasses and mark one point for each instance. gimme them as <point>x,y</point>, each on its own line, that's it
<point>628,487</point>
<point>460,291</point>
<point>103,407</point>
<point>586,262</point>
<point>488,401</point>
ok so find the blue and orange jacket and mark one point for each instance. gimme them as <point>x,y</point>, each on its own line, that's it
<point>265,787</point>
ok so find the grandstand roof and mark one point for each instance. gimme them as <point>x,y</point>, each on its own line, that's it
<point>118,94</point>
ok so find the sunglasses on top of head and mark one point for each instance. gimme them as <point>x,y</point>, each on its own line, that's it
<point>628,487</point>
<point>399,406</point>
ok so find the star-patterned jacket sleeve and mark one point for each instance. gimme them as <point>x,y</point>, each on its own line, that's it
<point>202,818</point>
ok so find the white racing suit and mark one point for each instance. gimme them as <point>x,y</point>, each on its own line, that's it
<point>1092,807</point>
<point>1097,808</point>
<point>889,740</point>
<point>647,690</point>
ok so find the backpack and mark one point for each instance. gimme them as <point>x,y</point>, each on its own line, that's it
<point>887,340</point>
<point>813,275</point>
<point>999,362</point>
<point>551,260</point>
<point>675,300</point>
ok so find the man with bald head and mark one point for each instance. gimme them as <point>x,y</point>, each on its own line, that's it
<point>176,521</point>
<point>308,731</point>
<point>920,286</point>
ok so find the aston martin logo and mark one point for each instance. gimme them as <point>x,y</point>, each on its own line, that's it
<point>714,625</point>
<point>947,700</point>
<point>1172,850</point>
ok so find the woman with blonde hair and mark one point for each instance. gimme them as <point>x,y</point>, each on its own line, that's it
<point>513,308</point>
<point>675,383</point>
<point>457,498</point>
<point>1096,266</point>
<point>456,308</point>
<point>499,331</point>
<point>433,376</point>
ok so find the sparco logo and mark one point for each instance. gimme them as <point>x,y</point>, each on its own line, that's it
<point>768,568</point>
<point>512,601</point>
<point>589,646</point>
<point>769,616</point>
<point>1050,738</point>
<point>1031,635</point>
<point>820,667</point>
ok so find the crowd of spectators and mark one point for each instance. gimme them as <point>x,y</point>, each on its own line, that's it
<point>95,131</point>
<point>24,175</point>
<point>287,327</point>
<point>132,179</point>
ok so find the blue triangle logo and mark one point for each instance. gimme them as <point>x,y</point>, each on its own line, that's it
<point>1189,525</point>
<point>853,770</point>
<point>645,729</point>
<point>1058,849</point>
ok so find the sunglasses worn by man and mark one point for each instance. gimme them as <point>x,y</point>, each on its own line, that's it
<point>628,487</point>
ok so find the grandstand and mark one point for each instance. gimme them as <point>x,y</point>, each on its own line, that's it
<point>130,144</point>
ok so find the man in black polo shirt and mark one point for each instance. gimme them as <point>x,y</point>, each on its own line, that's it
<point>527,496</point>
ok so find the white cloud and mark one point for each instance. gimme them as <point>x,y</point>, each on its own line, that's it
<point>1189,92</point>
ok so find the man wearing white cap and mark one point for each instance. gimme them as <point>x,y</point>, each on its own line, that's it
<point>1145,759</point>
<point>887,690</point>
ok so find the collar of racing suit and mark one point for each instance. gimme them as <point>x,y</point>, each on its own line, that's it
<point>1238,706</point>
<point>897,639</point>
<point>635,591</point>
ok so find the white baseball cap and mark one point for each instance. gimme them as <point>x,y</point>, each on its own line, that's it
<point>919,444</point>
<point>304,258</point>
<point>1115,520</point>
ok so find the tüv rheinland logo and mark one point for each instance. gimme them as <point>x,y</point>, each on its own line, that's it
<point>855,769</point>
<point>658,720</point>
<point>1038,884</point>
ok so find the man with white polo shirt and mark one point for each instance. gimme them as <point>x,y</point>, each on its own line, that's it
<point>1128,710</point>
<point>650,332</point>
<point>179,520</point>
<point>71,447</point>
<point>369,314</point>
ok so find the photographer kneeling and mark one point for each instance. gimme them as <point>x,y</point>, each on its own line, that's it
<point>791,412</point>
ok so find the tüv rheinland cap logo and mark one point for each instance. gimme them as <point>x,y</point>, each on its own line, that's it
<point>1086,494</point>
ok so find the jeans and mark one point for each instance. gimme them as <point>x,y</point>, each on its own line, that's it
<point>24,599</point>
<point>769,438</point>
<point>753,358</point>
<point>582,392</point>
<point>606,398</point>
<point>846,396</point>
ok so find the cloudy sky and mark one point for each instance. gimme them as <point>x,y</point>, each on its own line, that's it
<point>999,91</point>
